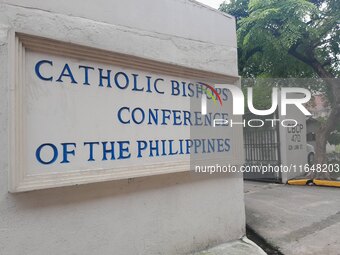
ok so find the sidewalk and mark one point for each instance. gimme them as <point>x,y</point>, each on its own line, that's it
<point>239,247</point>
<point>295,219</point>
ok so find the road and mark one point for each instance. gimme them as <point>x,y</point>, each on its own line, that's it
<point>300,220</point>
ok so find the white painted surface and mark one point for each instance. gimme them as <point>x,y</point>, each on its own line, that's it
<point>293,143</point>
<point>71,125</point>
<point>167,214</point>
<point>171,17</point>
<point>212,3</point>
<point>185,32</point>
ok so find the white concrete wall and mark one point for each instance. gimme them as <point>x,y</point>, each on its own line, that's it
<point>181,32</point>
<point>168,214</point>
<point>183,18</point>
<point>293,159</point>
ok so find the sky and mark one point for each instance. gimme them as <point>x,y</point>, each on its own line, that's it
<point>212,3</point>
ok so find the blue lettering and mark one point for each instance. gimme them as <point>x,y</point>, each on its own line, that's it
<point>141,145</point>
<point>197,144</point>
<point>135,84</point>
<point>91,149</point>
<point>55,153</point>
<point>227,144</point>
<point>149,83</point>
<point>117,80</point>
<point>66,72</point>
<point>166,116</point>
<point>220,145</point>
<point>134,115</point>
<point>107,78</point>
<point>123,149</point>
<point>175,88</point>
<point>108,150</point>
<point>177,117</point>
<point>184,88</point>
<point>86,74</point>
<point>163,147</point>
<point>198,119</point>
<point>211,145</point>
<point>37,70</point>
<point>154,116</point>
<point>156,88</point>
<point>153,148</point>
<point>171,152</point>
<point>187,118</point>
<point>191,90</point>
<point>189,144</point>
<point>66,152</point>
<point>120,115</point>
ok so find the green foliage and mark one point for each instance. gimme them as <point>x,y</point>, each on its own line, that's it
<point>237,8</point>
<point>262,92</point>
<point>337,149</point>
<point>334,138</point>
<point>268,30</point>
<point>288,39</point>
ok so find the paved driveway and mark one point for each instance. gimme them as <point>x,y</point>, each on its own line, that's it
<point>295,219</point>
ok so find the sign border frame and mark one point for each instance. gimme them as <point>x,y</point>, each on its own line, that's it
<point>18,44</point>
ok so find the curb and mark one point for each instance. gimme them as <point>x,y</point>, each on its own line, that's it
<point>303,182</point>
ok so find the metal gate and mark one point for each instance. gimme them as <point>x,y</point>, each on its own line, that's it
<point>262,148</point>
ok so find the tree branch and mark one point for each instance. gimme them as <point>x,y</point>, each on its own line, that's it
<point>250,53</point>
<point>293,51</point>
<point>327,62</point>
<point>319,69</point>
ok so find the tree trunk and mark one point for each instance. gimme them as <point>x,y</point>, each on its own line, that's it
<point>322,136</point>
<point>321,143</point>
<point>326,128</point>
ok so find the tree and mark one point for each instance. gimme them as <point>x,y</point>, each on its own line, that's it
<point>292,38</point>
